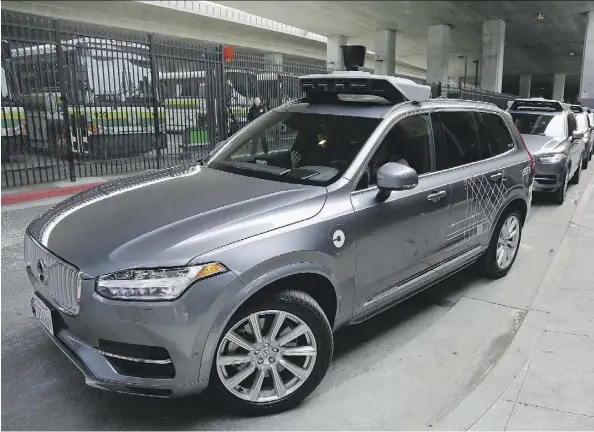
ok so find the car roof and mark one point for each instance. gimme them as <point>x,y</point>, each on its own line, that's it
<point>381,110</point>
<point>341,108</point>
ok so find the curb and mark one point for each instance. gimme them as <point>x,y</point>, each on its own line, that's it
<point>510,367</point>
<point>19,198</point>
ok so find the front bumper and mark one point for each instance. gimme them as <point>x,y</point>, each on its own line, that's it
<point>549,177</point>
<point>178,328</point>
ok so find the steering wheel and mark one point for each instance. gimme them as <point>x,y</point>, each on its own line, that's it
<point>339,165</point>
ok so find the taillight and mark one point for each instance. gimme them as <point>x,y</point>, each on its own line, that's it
<point>532,161</point>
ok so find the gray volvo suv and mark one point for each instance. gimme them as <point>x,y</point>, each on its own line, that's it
<point>557,141</point>
<point>234,272</point>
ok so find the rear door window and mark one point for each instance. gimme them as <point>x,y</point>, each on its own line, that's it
<point>459,143</point>
<point>495,136</point>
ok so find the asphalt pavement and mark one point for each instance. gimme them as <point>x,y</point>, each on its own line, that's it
<point>407,368</point>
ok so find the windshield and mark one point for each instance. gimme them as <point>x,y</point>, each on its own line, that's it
<point>296,147</point>
<point>582,121</point>
<point>540,124</point>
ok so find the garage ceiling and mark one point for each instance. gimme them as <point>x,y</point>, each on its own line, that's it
<point>532,45</point>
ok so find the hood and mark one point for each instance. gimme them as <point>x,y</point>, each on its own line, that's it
<point>168,217</point>
<point>541,144</point>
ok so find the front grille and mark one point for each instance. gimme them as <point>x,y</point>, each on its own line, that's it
<point>60,280</point>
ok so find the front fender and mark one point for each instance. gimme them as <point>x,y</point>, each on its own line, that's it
<point>252,282</point>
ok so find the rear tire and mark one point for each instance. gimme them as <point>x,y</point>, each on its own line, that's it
<point>585,162</point>
<point>272,386</point>
<point>503,248</point>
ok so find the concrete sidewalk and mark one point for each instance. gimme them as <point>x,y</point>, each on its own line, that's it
<point>554,388</point>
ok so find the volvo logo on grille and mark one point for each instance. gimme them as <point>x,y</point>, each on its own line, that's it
<point>42,270</point>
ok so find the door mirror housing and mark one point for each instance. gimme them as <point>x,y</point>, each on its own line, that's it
<point>395,177</point>
<point>577,135</point>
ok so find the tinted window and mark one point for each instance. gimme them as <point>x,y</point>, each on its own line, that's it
<point>459,140</point>
<point>572,123</point>
<point>296,147</point>
<point>550,125</point>
<point>408,143</point>
<point>495,137</point>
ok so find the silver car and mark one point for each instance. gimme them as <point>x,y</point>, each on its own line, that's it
<point>551,133</point>
<point>234,272</point>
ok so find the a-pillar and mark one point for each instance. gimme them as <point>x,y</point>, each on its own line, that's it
<point>586,95</point>
<point>385,49</point>
<point>525,82</point>
<point>276,59</point>
<point>438,60</point>
<point>334,53</point>
<point>492,57</point>
<point>559,86</point>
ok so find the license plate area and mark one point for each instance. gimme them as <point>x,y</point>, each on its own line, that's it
<point>43,313</point>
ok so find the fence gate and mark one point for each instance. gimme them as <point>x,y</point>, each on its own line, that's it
<point>80,100</point>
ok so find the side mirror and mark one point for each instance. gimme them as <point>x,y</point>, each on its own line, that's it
<point>577,135</point>
<point>395,177</point>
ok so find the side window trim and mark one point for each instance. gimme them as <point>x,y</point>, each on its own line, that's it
<point>482,160</point>
<point>390,126</point>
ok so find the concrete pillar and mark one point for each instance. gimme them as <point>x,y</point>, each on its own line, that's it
<point>333,52</point>
<point>559,86</point>
<point>385,49</point>
<point>438,59</point>
<point>525,81</point>
<point>586,95</point>
<point>276,59</point>
<point>492,57</point>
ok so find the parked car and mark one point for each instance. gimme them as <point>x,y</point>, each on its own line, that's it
<point>234,273</point>
<point>584,125</point>
<point>551,133</point>
<point>591,119</point>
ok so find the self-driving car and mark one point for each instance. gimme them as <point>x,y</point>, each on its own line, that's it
<point>234,272</point>
<point>551,133</point>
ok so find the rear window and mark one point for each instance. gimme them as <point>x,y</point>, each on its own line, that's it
<point>550,125</point>
<point>495,136</point>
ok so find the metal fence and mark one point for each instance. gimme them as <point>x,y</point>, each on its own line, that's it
<point>80,100</point>
<point>471,93</point>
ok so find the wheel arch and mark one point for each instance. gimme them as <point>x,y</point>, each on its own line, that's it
<point>266,284</point>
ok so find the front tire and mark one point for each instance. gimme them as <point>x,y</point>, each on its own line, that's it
<point>586,161</point>
<point>504,245</point>
<point>560,194</point>
<point>577,175</point>
<point>272,354</point>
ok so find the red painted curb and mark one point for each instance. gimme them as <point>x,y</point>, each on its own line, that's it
<point>19,198</point>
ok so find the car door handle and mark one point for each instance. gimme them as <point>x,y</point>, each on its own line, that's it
<point>496,177</point>
<point>436,196</point>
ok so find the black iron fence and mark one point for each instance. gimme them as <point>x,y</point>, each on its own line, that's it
<point>80,100</point>
<point>471,93</point>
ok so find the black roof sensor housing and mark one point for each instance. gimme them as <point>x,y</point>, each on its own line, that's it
<point>353,56</point>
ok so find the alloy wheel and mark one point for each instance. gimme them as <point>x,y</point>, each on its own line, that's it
<point>266,356</point>
<point>507,242</point>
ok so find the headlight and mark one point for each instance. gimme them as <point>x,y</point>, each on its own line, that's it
<point>153,284</point>
<point>551,158</point>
